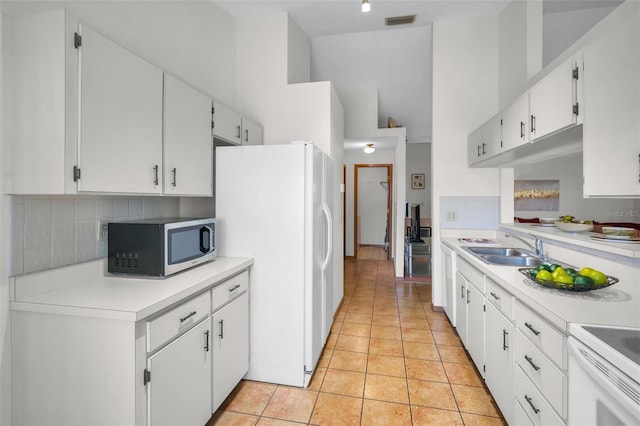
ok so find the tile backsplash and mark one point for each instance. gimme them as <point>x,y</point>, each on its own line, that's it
<point>48,232</point>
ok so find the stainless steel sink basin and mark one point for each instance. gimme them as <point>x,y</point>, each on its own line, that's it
<point>512,260</point>
<point>500,251</point>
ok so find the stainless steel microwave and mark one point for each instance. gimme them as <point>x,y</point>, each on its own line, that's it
<point>160,247</point>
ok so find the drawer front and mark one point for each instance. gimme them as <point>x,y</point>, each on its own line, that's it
<point>500,298</point>
<point>520,417</point>
<point>229,290</point>
<point>176,321</point>
<point>551,382</point>
<point>472,275</point>
<point>537,408</point>
<point>542,334</point>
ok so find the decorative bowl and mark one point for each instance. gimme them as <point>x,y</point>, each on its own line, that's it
<point>547,220</point>
<point>618,231</point>
<point>530,273</point>
<point>574,226</point>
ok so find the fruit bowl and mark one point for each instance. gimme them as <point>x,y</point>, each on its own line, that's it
<point>531,274</point>
<point>574,226</point>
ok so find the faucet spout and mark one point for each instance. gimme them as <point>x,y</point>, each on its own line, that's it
<point>538,243</point>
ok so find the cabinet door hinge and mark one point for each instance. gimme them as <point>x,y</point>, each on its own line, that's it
<point>575,73</point>
<point>77,40</point>
<point>146,376</point>
<point>76,173</point>
<point>576,109</point>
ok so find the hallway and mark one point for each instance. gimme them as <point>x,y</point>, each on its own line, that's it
<point>389,360</point>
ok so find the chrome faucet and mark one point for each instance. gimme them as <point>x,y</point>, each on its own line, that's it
<point>537,248</point>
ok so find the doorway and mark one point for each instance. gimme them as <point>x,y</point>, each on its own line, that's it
<point>372,194</point>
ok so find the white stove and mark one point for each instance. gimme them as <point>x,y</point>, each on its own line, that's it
<point>604,375</point>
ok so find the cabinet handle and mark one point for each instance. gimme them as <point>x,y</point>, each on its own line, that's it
<point>533,123</point>
<point>238,127</point>
<point>495,296</point>
<point>522,129</point>
<point>529,400</point>
<point>206,341</point>
<point>174,171</point>
<point>187,317</point>
<point>504,340</point>
<point>221,335</point>
<point>479,154</point>
<point>638,167</point>
<point>530,361</point>
<point>234,288</point>
<point>468,300</point>
<point>155,170</point>
<point>530,327</point>
<point>246,135</point>
<point>483,145</point>
<point>462,292</point>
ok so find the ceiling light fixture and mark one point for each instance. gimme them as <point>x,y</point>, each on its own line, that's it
<point>369,148</point>
<point>366,6</point>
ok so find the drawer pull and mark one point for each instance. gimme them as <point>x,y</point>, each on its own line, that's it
<point>529,400</point>
<point>462,292</point>
<point>187,317</point>
<point>495,296</point>
<point>221,335</point>
<point>234,288</point>
<point>530,327</point>
<point>504,340</point>
<point>206,341</point>
<point>468,300</point>
<point>530,361</point>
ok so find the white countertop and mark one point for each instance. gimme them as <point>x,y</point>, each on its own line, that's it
<point>618,304</point>
<point>86,289</point>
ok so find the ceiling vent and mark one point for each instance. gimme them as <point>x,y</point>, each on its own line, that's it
<point>400,20</point>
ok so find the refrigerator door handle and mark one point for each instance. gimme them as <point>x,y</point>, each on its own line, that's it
<point>327,214</point>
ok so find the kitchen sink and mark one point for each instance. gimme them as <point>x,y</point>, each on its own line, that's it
<point>499,251</point>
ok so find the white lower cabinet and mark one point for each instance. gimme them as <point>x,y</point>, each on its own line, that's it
<point>461,311</point>
<point>499,359</point>
<point>475,326</point>
<point>230,347</point>
<point>533,402</point>
<point>179,390</point>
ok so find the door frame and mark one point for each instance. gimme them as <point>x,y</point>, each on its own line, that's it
<point>389,168</point>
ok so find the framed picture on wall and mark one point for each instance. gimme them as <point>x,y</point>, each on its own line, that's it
<point>417,181</point>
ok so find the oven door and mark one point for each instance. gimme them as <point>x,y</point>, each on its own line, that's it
<point>599,393</point>
<point>188,244</point>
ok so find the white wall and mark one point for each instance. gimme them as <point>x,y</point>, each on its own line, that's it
<point>568,171</point>
<point>419,161</point>
<point>397,62</point>
<point>5,237</point>
<point>465,94</point>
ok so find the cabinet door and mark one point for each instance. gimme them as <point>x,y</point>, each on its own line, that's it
<point>475,326</point>
<point>227,124</point>
<point>188,144</point>
<point>251,132</point>
<point>179,392</point>
<point>120,141</point>
<point>552,100</point>
<point>461,308</point>
<point>611,130</point>
<point>492,131</point>
<point>230,347</point>
<point>515,128</point>
<point>474,146</point>
<point>499,359</point>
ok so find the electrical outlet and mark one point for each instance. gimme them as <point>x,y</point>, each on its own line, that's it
<point>452,216</point>
<point>103,230</point>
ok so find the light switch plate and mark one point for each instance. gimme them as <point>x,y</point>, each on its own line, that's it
<point>103,230</point>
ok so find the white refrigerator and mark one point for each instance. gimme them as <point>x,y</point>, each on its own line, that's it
<point>274,203</point>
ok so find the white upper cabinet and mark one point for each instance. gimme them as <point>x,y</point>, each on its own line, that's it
<point>251,132</point>
<point>515,119</point>
<point>485,142</point>
<point>553,101</point>
<point>121,119</point>
<point>611,131</point>
<point>188,144</point>
<point>227,124</point>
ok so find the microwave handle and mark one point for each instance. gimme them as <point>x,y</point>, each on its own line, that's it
<point>205,244</point>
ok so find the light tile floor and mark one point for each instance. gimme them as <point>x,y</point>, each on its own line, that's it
<point>389,360</point>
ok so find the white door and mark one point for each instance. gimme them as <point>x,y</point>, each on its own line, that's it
<point>251,132</point>
<point>461,308</point>
<point>188,144</point>
<point>499,360</point>
<point>475,326</point>
<point>515,128</point>
<point>230,347</point>
<point>372,204</point>
<point>179,392</point>
<point>327,239</point>
<point>451,290</point>
<point>611,130</point>
<point>120,141</point>
<point>551,101</point>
